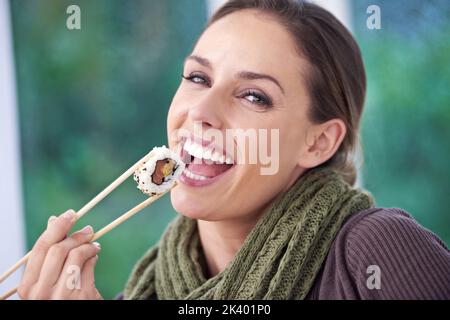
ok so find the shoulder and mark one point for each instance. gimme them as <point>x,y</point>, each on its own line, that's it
<point>383,253</point>
<point>386,229</point>
<point>380,231</point>
<point>390,255</point>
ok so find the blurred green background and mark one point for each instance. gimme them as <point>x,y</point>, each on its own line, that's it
<point>93,101</point>
<point>406,124</point>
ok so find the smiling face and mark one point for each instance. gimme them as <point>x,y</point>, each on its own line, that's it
<point>244,73</point>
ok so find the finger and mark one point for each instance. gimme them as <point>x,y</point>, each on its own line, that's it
<point>88,274</point>
<point>57,255</point>
<point>57,229</point>
<point>70,278</point>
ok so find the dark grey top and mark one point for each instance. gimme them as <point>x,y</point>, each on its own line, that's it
<point>383,253</point>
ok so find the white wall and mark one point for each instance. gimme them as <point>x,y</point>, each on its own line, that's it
<point>11,221</point>
<point>340,8</point>
<point>213,5</point>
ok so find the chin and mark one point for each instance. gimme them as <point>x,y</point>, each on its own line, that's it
<point>188,207</point>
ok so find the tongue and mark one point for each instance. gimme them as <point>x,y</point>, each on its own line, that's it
<point>207,170</point>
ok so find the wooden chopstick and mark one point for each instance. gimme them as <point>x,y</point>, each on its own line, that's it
<point>127,215</point>
<point>88,206</point>
<point>8,294</point>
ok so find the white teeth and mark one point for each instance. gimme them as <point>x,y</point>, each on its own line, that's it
<point>187,144</point>
<point>201,152</point>
<point>215,156</point>
<point>197,151</point>
<point>207,154</point>
<point>193,176</point>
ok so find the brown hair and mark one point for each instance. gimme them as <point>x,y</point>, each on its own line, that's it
<point>336,80</point>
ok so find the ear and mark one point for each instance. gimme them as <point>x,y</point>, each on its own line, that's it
<point>326,140</point>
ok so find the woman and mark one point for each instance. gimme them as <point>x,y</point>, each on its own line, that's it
<point>301,232</point>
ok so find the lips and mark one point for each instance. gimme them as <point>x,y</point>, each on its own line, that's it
<point>203,169</point>
<point>205,162</point>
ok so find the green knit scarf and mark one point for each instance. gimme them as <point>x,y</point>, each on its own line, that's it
<point>279,259</point>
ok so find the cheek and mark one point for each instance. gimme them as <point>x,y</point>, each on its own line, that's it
<point>293,138</point>
<point>175,117</point>
<point>171,119</point>
<point>291,143</point>
<point>182,202</point>
<point>174,114</point>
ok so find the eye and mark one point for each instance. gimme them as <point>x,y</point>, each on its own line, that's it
<point>257,98</point>
<point>197,79</point>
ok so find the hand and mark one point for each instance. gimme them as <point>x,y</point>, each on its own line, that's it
<point>61,267</point>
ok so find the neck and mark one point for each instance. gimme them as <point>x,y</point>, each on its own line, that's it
<point>221,240</point>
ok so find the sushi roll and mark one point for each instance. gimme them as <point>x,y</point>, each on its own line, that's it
<point>159,173</point>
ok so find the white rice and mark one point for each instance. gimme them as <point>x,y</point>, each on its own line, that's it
<point>143,175</point>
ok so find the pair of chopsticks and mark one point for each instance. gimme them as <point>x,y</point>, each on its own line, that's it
<point>86,209</point>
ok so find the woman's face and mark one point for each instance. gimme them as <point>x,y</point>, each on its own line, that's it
<point>244,73</point>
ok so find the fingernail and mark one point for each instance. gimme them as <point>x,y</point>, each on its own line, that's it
<point>51,218</point>
<point>69,215</point>
<point>87,230</point>
<point>97,245</point>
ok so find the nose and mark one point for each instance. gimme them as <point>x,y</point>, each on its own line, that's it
<point>207,111</point>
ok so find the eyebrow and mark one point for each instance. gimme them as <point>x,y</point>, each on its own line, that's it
<point>203,61</point>
<point>246,75</point>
